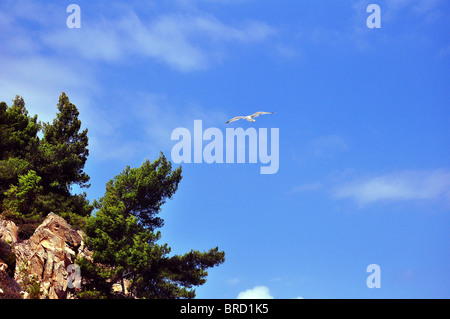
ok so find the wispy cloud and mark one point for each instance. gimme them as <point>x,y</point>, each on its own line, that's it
<point>31,69</point>
<point>185,42</point>
<point>397,186</point>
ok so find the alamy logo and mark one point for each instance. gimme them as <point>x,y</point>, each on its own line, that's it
<point>213,152</point>
<point>74,278</point>
<point>74,19</point>
<point>374,19</point>
<point>374,279</point>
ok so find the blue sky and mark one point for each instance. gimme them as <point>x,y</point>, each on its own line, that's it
<point>363,115</point>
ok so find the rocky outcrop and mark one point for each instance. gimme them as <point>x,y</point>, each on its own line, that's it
<point>45,257</point>
<point>8,231</point>
<point>9,289</point>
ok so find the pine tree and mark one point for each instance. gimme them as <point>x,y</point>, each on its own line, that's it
<point>123,238</point>
<point>60,161</point>
<point>36,174</point>
<point>65,149</point>
<point>18,141</point>
<point>18,131</point>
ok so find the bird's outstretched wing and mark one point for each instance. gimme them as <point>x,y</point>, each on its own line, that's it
<point>235,119</point>
<point>259,113</point>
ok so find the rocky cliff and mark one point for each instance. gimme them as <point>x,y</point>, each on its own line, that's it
<point>42,262</point>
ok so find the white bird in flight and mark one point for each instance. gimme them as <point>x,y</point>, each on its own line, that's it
<point>250,118</point>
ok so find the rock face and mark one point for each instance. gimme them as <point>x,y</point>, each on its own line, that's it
<point>46,256</point>
<point>8,231</point>
<point>9,288</point>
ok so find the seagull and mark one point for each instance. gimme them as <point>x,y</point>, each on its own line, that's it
<point>250,118</point>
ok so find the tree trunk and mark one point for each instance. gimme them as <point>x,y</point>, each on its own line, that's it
<point>123,286</point>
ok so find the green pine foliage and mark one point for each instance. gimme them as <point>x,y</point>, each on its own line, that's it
<point>36,174</point>
<point>39,164</point>
<point>126,246</point>
<point>65,149</point>
<point>21,198</point>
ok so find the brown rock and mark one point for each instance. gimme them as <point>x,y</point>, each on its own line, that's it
<point>47,254</point>
<point>8,231</point>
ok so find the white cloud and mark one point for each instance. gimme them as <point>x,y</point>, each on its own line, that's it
<point>184,42</point>
<point>258,292</point>
<point>398,186</point>
<point>32,70</point>
<point>187,40</point>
